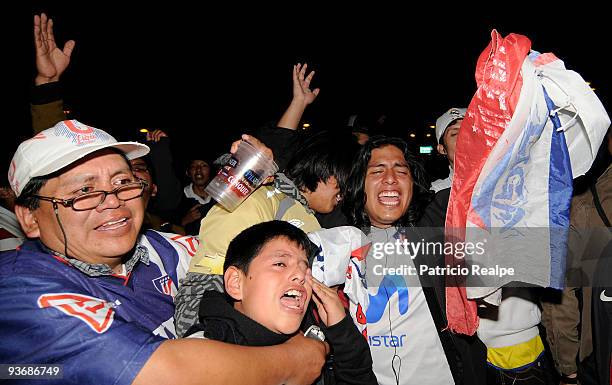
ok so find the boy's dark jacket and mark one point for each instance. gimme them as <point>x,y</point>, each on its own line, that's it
<point>352,362</point>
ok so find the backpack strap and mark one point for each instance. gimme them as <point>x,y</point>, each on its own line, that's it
<point>600,210</point>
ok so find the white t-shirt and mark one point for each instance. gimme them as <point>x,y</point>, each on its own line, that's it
<point>441,184</point>
<point>189,193</point>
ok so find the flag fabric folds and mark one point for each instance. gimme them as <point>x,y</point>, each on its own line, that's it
<point>531,127</point>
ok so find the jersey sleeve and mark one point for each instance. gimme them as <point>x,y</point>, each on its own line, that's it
<point>45,321</point>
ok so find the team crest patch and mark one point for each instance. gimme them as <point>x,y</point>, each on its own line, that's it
<point>96,313</point>
<point>163,284</point>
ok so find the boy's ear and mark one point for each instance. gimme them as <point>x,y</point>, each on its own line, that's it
<point>28,222</point>
<point>233,282</point>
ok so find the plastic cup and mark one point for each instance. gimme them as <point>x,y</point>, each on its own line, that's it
<point>240,176</point>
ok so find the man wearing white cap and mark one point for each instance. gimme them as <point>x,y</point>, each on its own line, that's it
<point>91,295</point>
<point>447,129</point>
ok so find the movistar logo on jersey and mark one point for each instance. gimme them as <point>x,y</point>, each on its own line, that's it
<point>378,303</point>
<point>388,341</point>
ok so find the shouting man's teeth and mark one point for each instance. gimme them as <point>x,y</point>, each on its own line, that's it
<point>389,198</point>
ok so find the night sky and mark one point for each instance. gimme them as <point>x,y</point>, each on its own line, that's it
<point>205,74</point>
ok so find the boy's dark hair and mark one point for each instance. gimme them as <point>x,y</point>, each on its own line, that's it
<point>247,245</point>
<point>321,156</point>
<point>355,199</point>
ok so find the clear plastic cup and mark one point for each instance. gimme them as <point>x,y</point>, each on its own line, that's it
<point>240,176</point>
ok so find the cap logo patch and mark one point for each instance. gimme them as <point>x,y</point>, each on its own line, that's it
<point>81,134</point>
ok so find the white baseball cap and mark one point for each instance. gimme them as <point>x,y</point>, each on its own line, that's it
<point>59,146</point>
<point>446,119</point>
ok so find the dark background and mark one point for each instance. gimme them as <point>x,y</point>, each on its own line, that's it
<point>204,74</point>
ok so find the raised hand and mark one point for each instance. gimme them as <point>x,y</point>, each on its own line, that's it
<point>51,62</point>
<point>301,85</point>
<point>156,135</point>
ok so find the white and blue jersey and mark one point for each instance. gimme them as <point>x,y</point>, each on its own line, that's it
<point>101,327</point>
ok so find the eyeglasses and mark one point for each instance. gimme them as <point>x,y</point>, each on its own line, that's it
<point>91,200</point>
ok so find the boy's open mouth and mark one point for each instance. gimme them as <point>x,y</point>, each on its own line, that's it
<point>294,299</point>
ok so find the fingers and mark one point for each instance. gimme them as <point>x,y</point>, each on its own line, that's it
<point>234,146</point>
<point>302,72</point>
<point>317,302</point>
<point>37,32</point>
<point>255,142</point>
<point>327,348</point>
<point>303,81</point>
<point>69,47</point>
<point>258,145</point>
<point>43,27</point>
<point>294,75</point>
<point>327,300</point>
<point>320,288</point>
<point>156,135</point>
<point>50,36</point>
<point>308,78</point>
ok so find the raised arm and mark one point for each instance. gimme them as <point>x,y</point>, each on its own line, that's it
<point>302,97</point>
<point>170,191</point>
<point>47,106</point>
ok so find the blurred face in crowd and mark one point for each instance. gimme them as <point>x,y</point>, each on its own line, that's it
<point>388,186</point>
<point>325,197</point>
<point>199,172</point>
<point>449,138</point>
<point>273,291</point>
<point>141,171</point>
<point>100,235</point>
